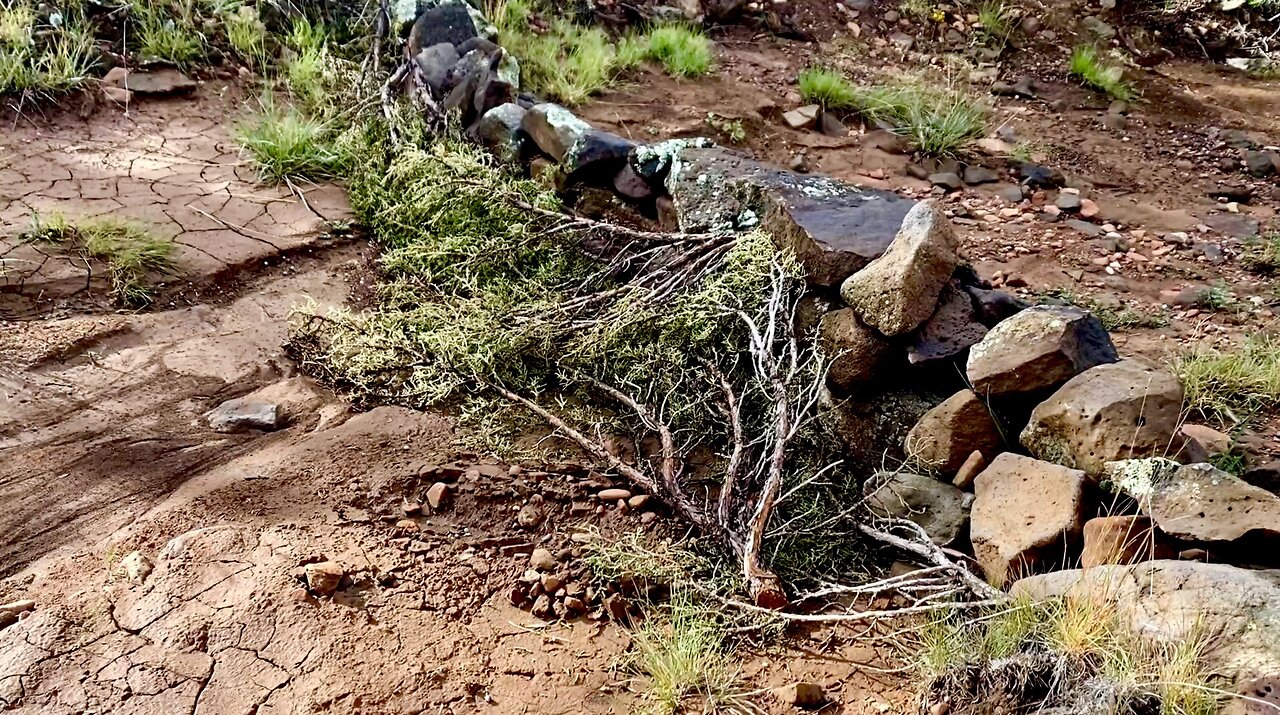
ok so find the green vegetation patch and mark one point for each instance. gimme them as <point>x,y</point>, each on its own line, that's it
<point>935,120</point>
<point>1231,386</point>
<point>683,51</point>
<point>129,249</point>
<point>1088,66</point>
<point>40,58</point>
<point>1055,652</point>
<point>286,143</point>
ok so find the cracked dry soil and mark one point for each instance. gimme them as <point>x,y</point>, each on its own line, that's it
<point>104,450</point>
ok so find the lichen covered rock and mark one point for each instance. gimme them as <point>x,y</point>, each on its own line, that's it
<point>1038,349</point>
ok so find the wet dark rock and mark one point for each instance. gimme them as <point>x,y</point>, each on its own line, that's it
<point>831,126</point>
<point>597,155</point>
<point>1040,176</point>
<point>992,306</point>
<point>498,83</point>
<point>833,228</point>
<point>450,22</point>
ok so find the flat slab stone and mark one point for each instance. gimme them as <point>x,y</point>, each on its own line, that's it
<point>834,228</point>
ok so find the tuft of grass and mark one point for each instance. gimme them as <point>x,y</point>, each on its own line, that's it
<point>636,557</point>
<point>826,87</point>
<point>1082,642</point>
<point>568,62</point>
<point>683,51</point>
<point>1262,255</point>
<point>128,248</point>
<point>47,62</point>
<point>730,129</point>
<point>996,21</point>
<point>936,120</point>
<point>1230,386</point>
<point>247,36</point>
<point>1216,297</point>
<point>1094,71</point>
<point>1112,318</point>
<point>681,653</point>
<point>285,143</point>
<point>167,32</point>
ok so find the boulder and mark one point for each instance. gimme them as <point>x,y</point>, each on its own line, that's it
<point>833,228</point>
<point>1121,410</point>
<point>435,62</point>
<point>953,328</point>
<point>245,413</point>
<point>596,156</point>
<point>499,131</point>
<point>940,509</point>
<point>1124,539</point>
<point>898,291</point>
<point>653,162</point>
<point>1235,612</point>
<point>554,129</point>
<point>1198,502</point>
<point>498,83</point>
<point>945,437</point>
<point>1038,349</point>
<point>856,352</point>
<point>449,22</point>
<point>1027,515</point>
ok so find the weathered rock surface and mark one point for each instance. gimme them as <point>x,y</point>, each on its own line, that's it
<point>951,330</point>
<point>1172,601</point>
<point>1037,349</point>
<point>435,62</point>
<point>1028,514</point>
<point>1121,410</point>
<point>499,131</point>
<point>856,352</point>
<point>833,228</point>
<point>155,81</point>
<point>244,413</point>
<point>324,577</point>
<point>449,22</point>
<point>554,129</point>
<point>940,509</point>
<point>1123,540</point>
<point>898,291</point>
<point>1198,502</point>
<point>945,437</point>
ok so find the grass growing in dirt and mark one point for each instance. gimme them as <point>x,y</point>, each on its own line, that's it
<point>42,60</point>
<point>1230,386</point>
<point>681,653</point>
<point>167,31</point>
<point>1065,653</point>
<point>683,51</point>
<point>128,248</point>
<point>1262,254</point>
<point>1088,66</point>
<point>1112,318</point>
<point>286,143</point>
<point>636,556</point>
<point>569,62</point>
<point>247,36</point>
<point>935,120</point>
<point>996,22</point>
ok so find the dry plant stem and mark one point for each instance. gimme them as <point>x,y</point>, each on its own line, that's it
<point>923,548</point>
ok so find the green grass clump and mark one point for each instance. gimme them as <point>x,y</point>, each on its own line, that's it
<point>637,557</point>
<point>1231,386</point>
<point>1094,71</point>
<point>683,51</point>
<point>935,120</point>
<point>1112,318</point>
<point>1262,255</point>
<point>996,21</point>
<point>827,88</point>
<point>680,652</point>
<point>1083,642</point>
<point>286,143</point>
<point>167,31</point>
<point>128,248</point>
<point>46,62</point>
<point>247,36</point>
<point>569,62</point>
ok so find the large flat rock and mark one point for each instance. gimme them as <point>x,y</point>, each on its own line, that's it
<point>834,228</point>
